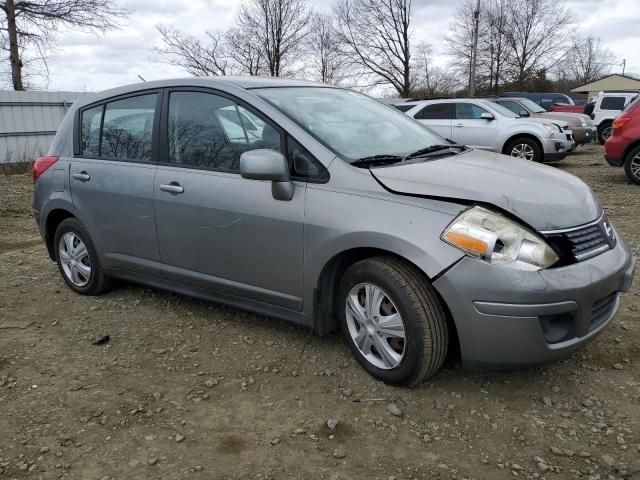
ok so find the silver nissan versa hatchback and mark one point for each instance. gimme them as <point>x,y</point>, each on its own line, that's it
<point>326,208</point>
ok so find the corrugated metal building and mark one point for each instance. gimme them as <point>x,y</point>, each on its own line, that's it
<point>28,122</point>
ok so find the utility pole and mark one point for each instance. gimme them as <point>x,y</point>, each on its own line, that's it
<point>624,65</point>
<point>474,52</point>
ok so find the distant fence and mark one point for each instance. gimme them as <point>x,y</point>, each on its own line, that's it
<point>28,122</point>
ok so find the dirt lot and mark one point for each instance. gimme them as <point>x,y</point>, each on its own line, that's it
<point>186,389</point>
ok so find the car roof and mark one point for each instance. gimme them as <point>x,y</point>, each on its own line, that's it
<point>245,82</point>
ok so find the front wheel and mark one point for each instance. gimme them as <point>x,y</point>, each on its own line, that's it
<point>525,148</point>
<point>632,165</point>
<point>393,321</point>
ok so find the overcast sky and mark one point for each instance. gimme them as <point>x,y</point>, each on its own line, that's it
<point>89,62</point>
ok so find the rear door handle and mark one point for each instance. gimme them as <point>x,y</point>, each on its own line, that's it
<point>459,125</point>
<point>173,187</point>
<point>82,176</point>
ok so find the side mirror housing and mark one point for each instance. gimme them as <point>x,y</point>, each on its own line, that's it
<point>263,164</point>
<point>487,116</point>
<point>524,113</point>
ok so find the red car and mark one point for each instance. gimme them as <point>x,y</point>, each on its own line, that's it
<point>623,146</point>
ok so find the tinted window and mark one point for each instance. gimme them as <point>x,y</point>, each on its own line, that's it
<point>436,111</point>
<point>302,163</point>
<point>403,108</point>
<point>90,136</point>
<point>469,111</point>
<point>127,128</point>
<point>612,103</point>
<point>210,131</point>
<point>513,106</point>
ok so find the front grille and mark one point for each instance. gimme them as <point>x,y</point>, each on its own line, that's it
<point>587,242</point>
<point>602,309</point>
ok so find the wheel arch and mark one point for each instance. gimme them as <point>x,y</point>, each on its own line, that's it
<point>53,219</point>
<point>530,136</point>
<point>633,145</point>
<point>325,318</point>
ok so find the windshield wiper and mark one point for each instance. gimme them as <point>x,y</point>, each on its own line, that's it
<point>378,160</point>
<point>432,149</point>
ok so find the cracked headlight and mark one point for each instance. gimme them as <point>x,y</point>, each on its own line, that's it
<point>487,236</point>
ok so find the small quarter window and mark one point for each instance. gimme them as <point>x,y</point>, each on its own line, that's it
<point>90,135</point>
<point>303,164</point>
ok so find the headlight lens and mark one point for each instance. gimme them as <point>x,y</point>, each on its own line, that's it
<point>583,122</point>
<point>495,239</point>
<point>552,127</point>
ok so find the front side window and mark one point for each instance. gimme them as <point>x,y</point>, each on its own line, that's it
<point>350,124</point>
<point>127,128</point>
<point>469,111</point>
<point>511,105</point>
<point>612,103</point>
<point>210,131</point>
<point>90,133</point>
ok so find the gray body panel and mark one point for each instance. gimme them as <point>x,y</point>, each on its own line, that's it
<point>226,239</point>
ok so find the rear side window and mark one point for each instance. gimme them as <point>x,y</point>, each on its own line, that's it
<point>210,131</point>
<point>90,132</point>
<point>612,103</point>
<point>436,111</point>
<point>403,108</point>
<point>469,111</point>
<point>127,128</point>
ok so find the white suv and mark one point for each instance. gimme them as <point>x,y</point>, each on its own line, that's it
<point>483,124</point>
<point>608,106</point>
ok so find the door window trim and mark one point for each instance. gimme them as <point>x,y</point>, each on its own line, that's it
<point>77,130</point>
<point>163,129</point>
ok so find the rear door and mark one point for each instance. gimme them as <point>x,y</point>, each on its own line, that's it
<point>111,179</point>
<point>472,130</point>
<point>438,117</point>
<point>217,230</point>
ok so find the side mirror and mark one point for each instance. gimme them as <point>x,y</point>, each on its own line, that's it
<point>263,164</point>
<point>524,113</point>
<point>487,116</point>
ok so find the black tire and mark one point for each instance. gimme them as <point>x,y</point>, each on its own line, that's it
<point>423,316</point>
<point>538,155</point>
<point>603,128</point>
<point>98,282</point>
<point>633,154</point>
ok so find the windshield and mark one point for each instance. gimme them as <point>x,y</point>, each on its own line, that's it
<point>352,125</point>
<point>533,106</point>
<point>504,111</point>
<point>632,103</point>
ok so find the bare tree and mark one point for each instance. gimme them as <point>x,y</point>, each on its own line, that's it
<point>280,28</point>
<point>325,52</point>
<point>197,58</point>
<point>243,48</point>
<point>376,35</point>
<point>34,23</point>
<point>459,44</point>
<point>429,80</point>
<point>536,34</point>
<point>494,53</point>
<point>587,60</point>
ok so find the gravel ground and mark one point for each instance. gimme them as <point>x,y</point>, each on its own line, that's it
<point>186,389</point>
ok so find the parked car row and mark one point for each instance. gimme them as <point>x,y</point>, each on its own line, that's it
<point>487,125</point>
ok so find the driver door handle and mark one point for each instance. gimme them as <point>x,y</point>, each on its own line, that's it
<point>82,176</point>
<point>459,125</point>
<point>173,187</point>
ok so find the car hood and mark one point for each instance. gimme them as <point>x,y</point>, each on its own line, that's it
<point>574,119</point>
<point>558,121</point>
<point>543,197</point>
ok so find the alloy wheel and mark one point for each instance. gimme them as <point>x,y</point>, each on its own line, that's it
<point>522,150</point>
<point>74,258</point>
<point>606,133</point>
<point>375,326</point>
<point>635,166</point>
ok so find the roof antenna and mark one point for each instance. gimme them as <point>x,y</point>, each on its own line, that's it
<point>140,77</point>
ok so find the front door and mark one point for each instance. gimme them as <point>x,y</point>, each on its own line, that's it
<point>111,181</point>
<point>217,230</point>
<point>469,128</point>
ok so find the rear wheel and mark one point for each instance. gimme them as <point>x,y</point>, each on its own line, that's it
<point>393,321</point>
<point>525,148</point>
<point>604,132</point>
<point>77,259</point>
<point>632,165</point>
